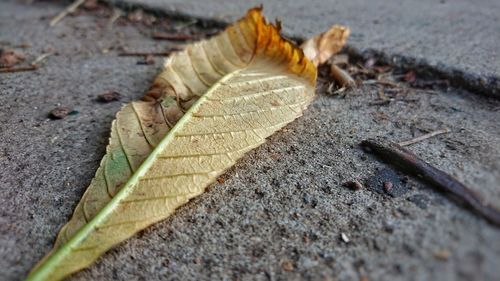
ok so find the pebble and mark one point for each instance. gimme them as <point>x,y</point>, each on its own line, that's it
<point>59,112</point>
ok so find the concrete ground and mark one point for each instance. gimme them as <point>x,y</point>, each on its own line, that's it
<point>456,37</point>
<point>281,213</point>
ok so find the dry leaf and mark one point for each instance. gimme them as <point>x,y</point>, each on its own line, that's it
<point>211,104</point>
<point>321,47</point>
<point>9,58</point>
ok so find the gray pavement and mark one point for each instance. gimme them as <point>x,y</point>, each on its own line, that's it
<point>457,37</point>
<point>280,213</point>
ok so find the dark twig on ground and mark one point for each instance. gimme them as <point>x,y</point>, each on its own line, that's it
<point>406,161</point>
<point>168,51</point>
<point>382,82</point>
<point>117,13</point>
<point>33,66</point>
<point>18,69</point>
<point>174,36</point>
<point>424,137</point>
<point>145,54</point>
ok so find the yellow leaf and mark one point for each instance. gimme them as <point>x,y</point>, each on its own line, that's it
<point>212,103</point>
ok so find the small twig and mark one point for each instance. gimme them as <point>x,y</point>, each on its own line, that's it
<point>70,9</point>
<point>424,137</point>
<point>143,54</point>
<point>405,160</point>
<point>381,102</point>
<point>33,66</point>
<point>41,58</point>
<point>18,69</point>
<point>186,24</point>
<point>342,77</point>
<point>381,95</point>
<point>173,36</point>
<point>117,13</point>
<point>381,82</point>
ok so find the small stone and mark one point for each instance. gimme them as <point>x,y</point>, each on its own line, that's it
<point>306,198</point>
<point>388,186</point>
<point>387,182</point>
<point>442,254</point>
<point>410,76</point>
<point>221,180</point>
<point>149,59</point>
<point>59,112</point>
<point>287,265</point>
<point>344,237</point>
<point>369,63</point>
<point>388,227</point>
<point>109,97</point>
<point>306,238</point>
<point>353,185</point>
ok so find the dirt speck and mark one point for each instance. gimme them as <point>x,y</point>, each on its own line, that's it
<point>149,59</point>
<point>442,254</point>
<point>59,112</point>
<point>353,185</point>
<point>388,186</point>
<point>287,265</point>
<point>344,237</point>
<point>410,76</point>
<point>386,181</point>
<point>109,97</point>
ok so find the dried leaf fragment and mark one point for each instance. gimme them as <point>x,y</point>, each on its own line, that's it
<point>321,47</point>
<point>9,58</point>
<point>212,103</point>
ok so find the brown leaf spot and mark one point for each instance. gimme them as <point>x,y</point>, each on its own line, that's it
<point>275,103</point>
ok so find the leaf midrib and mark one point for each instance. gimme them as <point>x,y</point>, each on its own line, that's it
<point>52,262</point>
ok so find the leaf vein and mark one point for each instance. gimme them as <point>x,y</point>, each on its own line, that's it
<point>140,125</point>
<point>123,148</point>
<point>258,94</point>
<point>174,175</point>
<point>248,112</point>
